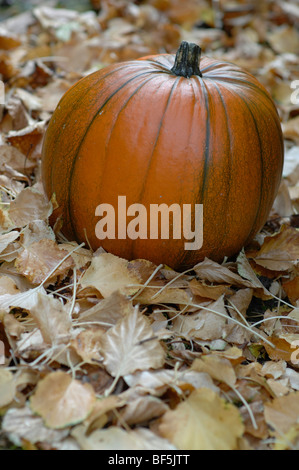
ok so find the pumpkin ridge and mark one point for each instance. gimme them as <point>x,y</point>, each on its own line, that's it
<point>230,162</point>
<point>155,144</point>
<point>241,96</point>
<point>69,209</point>
<point>108,139</point>
<point>207,142</point>
<point>200,80</point>
<point>76,105</point>
<point>252,103</point>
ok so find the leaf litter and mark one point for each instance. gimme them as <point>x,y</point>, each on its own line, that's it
<point>105,353</point>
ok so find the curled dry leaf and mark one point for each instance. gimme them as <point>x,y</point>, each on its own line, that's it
<point>211,271</point>
<point>137,350</point>
<point>62,401</point>
<point>40,258</point>
<point>280,252</point>
<point>208,423</point>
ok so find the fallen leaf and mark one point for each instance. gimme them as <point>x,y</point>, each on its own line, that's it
<point>109,273</point>
<point>62,401</point>
<point>208,423</point>
<point>21,424</point>
<point>29,205</point>
<point>130,345</point>
<point>115,438</point>
<point>282,413</point>
<point>38,261</point>
<point>218,368</point>
<point>7,387</point>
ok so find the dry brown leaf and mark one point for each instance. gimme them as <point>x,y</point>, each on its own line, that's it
<point>109,273</point>
<point>282,350</point>
<point>115,438</point>
<point>7,387</point>
<point>140,409</point>
<point>217,367</point>
<point>282,413</point>
<point>21,424</point>
<point>291,288</point>
<point>52,318</point>
<point>280,252</point>
<point>158,381</point>
<point>27,139</point>
<point>7,286</point>
<point>130,345</point>
<point>26,300</point>
<point>203,324</point>
<point>208,291</point>
<point>211,271</point>
<point>87,344</point>
<point>108,311</point>
<point>39,259</point>
<point>62,401</point>
<point>28,206</point>
<point>207,421</point>
<point>81,256</point>
<point>7,238</point>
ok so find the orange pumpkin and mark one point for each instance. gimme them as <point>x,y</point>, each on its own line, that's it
<point>166,129</point>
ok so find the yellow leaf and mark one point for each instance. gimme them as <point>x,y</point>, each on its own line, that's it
<point>203,422</point>
<point>62,401</point>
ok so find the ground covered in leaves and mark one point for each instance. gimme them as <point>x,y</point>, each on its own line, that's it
<point>102,353</point>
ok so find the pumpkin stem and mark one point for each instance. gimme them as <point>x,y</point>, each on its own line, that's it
<point>187,60</point>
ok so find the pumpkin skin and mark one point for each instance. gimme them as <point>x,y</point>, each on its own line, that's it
<point>138,130</point>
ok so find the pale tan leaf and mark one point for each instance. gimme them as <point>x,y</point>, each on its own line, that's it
<point>109,310</point>
<point>7,238</point>
<point>280,251</point>
<point>62,401</point>
<point>109,273</point>
<point>203,324</point>
<point>203,422</point>
<point>217,367</point>
<point>211,271</point>
<point>158,381</point>
<point>282,413</point>
<point>130,345</point>
<point>21,423</point>
<point>28,206</point>
<point>87,344</point>
<point>40,258</point>
<point>7,387</point>
<point>52,319</point>
<point>115,438</point>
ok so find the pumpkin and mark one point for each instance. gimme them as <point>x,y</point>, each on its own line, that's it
<point>165,129</point>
